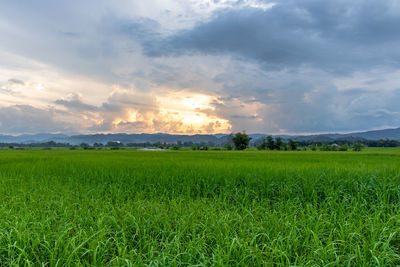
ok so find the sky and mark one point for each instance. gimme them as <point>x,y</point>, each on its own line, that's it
<point>199,66</point>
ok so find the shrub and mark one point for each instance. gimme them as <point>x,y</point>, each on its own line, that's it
<point>84,145</point>
<point>228,147</point>
<point>114,144</point>
<point>326,147</point>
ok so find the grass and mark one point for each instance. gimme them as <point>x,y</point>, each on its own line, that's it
<point>183,208</point>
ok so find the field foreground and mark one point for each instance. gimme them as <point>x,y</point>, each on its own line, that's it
<point>62,207</point>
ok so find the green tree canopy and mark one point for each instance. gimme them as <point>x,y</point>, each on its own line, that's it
<point>292,144</point>
<point>278,143</point>
<point>270,143</point>
<point>241,141</point>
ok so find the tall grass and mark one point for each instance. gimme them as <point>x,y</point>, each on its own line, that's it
<point>125,208</point>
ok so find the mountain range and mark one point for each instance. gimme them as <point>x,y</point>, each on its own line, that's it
<point>392,134</point>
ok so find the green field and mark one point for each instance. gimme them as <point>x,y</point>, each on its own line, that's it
<point>180,208</point>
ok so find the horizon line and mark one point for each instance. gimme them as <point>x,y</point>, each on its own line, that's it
<point>188,134</point>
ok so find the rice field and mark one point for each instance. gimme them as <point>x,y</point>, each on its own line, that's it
<point>199,208</point>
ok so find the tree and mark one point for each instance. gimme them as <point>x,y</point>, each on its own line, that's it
<point>98,144</point>
<point>204,147</point>
<point>241,141</point>
<point>270,143</point>
<point>278,143</point>
<point>292,144</point>
<point>84,145</point>
<point>263,145</point>
<point>195,147</point>
<point>357,146</point>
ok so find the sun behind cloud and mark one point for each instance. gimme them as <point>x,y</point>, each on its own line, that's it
<point>188,108</point>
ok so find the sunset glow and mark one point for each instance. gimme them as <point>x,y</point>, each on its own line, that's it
<point>180,113</point>
<point>198,66</point>
<point>193,111</point>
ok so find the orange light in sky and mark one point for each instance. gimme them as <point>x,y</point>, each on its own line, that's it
<point>187,108</point>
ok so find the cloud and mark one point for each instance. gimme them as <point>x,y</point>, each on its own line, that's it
<point>13,87</point>
<point>261,66</point>
<point>75,102</point>
<point>16,81</point>
<point>303,102</point>
<point>28,119</point>
<point>336,36</point>
<point>128,110</point>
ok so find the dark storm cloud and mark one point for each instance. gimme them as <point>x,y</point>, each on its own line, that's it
<point>306,101</point>
<point>338,36</point>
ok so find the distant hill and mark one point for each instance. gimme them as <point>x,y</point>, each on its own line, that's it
<point>104,138</point>
<point>392,134</point>
<point>32,138</point>
<point>218,139</point>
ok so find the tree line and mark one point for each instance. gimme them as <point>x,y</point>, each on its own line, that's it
<point>270,143</point>
<point>237,141</point>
